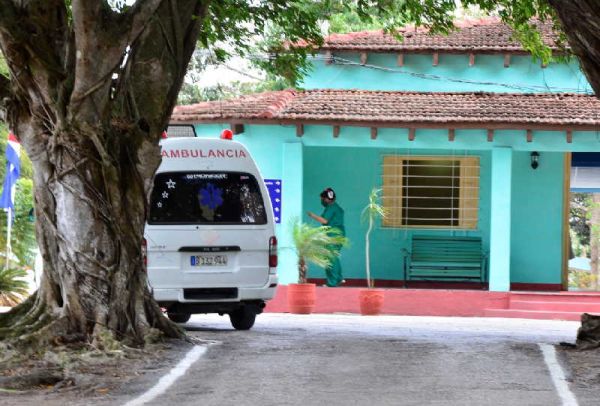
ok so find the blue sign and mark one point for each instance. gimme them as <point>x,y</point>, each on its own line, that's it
<point>274,188</point>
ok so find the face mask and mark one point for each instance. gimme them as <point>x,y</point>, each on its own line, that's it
<point>324,203</point>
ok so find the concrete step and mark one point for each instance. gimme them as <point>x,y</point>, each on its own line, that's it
<point>573,306</point>
<point>533,314</point>
<point>580,297</point>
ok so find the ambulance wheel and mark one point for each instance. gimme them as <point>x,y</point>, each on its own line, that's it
<point>242,318</point>
<point>179,317</point>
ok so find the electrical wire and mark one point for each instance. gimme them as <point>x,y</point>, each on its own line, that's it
<point>427,76</point>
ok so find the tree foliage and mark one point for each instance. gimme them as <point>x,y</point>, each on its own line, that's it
<point>580,214</point>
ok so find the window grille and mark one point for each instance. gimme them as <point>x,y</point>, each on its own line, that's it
<point>431,191</point>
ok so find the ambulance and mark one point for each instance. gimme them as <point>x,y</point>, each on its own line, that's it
<point>210,236</point>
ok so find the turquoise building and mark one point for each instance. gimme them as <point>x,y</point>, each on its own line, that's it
<point>467,136</point>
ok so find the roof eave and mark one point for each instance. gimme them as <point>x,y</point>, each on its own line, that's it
<point>466,124</point>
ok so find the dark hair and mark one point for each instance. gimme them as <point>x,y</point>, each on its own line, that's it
<point>328,194</point>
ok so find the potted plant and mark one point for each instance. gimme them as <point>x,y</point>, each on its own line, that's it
<point>371,300</point>
<point>311,245</point>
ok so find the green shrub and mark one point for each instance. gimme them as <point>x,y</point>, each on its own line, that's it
<point>313,244</point>
<point>12,287</point>
<point>581,279</point>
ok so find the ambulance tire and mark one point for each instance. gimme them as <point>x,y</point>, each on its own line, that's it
<point>242,318</point>
<point>179,317</point>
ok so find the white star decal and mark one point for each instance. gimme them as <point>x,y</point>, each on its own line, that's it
<point>159,205</point>
<point>165,195</point>
<point>171,184</point>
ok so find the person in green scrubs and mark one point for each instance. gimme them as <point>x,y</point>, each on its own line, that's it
<point>332,216</point>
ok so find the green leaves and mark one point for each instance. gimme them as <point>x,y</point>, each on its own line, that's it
<point>374,209</point>
<point>3,66</point>
<point>12,287</point>
<point>313,244</point>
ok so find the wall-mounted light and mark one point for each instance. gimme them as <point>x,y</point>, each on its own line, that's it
<point>535,159</point>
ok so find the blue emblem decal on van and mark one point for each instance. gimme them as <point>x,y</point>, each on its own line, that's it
<point>210,196</point>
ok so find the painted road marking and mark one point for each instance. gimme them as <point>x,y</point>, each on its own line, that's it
<point>166,381</point>
<point>558,376</point>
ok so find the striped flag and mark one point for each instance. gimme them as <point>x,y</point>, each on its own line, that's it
<point>13,170</point>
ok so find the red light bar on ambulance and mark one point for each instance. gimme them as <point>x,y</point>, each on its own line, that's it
<point>226,134</point>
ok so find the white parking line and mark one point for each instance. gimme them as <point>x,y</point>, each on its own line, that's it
<point>558,376</point>
<point>166,381</point>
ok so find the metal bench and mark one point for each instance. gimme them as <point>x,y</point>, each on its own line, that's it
<point>437,258</point>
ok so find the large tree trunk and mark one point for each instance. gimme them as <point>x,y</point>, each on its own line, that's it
<point>581,22</point>
<point>88,99</point>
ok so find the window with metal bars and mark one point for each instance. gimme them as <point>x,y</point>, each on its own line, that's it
<point>431,191</point>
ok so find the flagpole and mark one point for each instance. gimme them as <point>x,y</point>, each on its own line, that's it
<point>8,232</point>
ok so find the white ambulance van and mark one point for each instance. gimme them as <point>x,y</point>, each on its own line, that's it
<point>210,237</point>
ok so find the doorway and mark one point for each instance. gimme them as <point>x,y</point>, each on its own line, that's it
<point>584,222</point>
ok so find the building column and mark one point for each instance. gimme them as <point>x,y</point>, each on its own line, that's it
<point>292,195</point>
<point>499,265</point>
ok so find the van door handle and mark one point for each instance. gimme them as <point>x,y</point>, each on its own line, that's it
<point>221,248</point>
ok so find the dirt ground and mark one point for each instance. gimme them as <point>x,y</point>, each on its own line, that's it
<point>86,377</point>
<point>583,371</point>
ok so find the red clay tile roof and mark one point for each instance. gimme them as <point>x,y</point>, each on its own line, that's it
<point>481,36</point>
<point>254,106</point>
<point>401,109</point>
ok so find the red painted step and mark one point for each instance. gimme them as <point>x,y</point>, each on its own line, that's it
<point>553,306</point>
<point>581,297</point>
<point>533,314</point>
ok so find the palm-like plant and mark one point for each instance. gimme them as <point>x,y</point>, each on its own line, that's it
<point>312,245</point>
<point>372,211</point>
<point>12,287</point>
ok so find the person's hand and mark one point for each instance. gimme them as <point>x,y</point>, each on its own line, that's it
<point>310,214</point>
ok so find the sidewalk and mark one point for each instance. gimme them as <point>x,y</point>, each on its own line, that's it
<point>453,302</point>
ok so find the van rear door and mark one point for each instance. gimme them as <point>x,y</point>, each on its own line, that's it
<point>208,229</point>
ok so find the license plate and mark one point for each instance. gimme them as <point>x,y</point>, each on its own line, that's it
<point>209,260</point>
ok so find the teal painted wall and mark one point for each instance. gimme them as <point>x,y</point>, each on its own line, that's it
<point>536,223</point>
<point>352,173</point>
<point>353,166</point>
<point>453,74</point>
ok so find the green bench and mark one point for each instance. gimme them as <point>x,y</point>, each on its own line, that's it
<point>437,258</point>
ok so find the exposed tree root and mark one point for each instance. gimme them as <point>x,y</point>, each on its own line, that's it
<point>40,349</point>
<point>16,312</point>
<point>33,327</point>
<point>84,367</point>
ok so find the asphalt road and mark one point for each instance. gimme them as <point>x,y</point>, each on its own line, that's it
<point>353,360</point>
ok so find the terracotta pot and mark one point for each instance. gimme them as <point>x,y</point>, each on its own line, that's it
<point>301,298</point>
<point>371,301</point>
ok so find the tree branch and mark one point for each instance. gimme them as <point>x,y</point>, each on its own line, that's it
<point>139,14</point>
<point>153,53</point>
<point>581,22</point>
